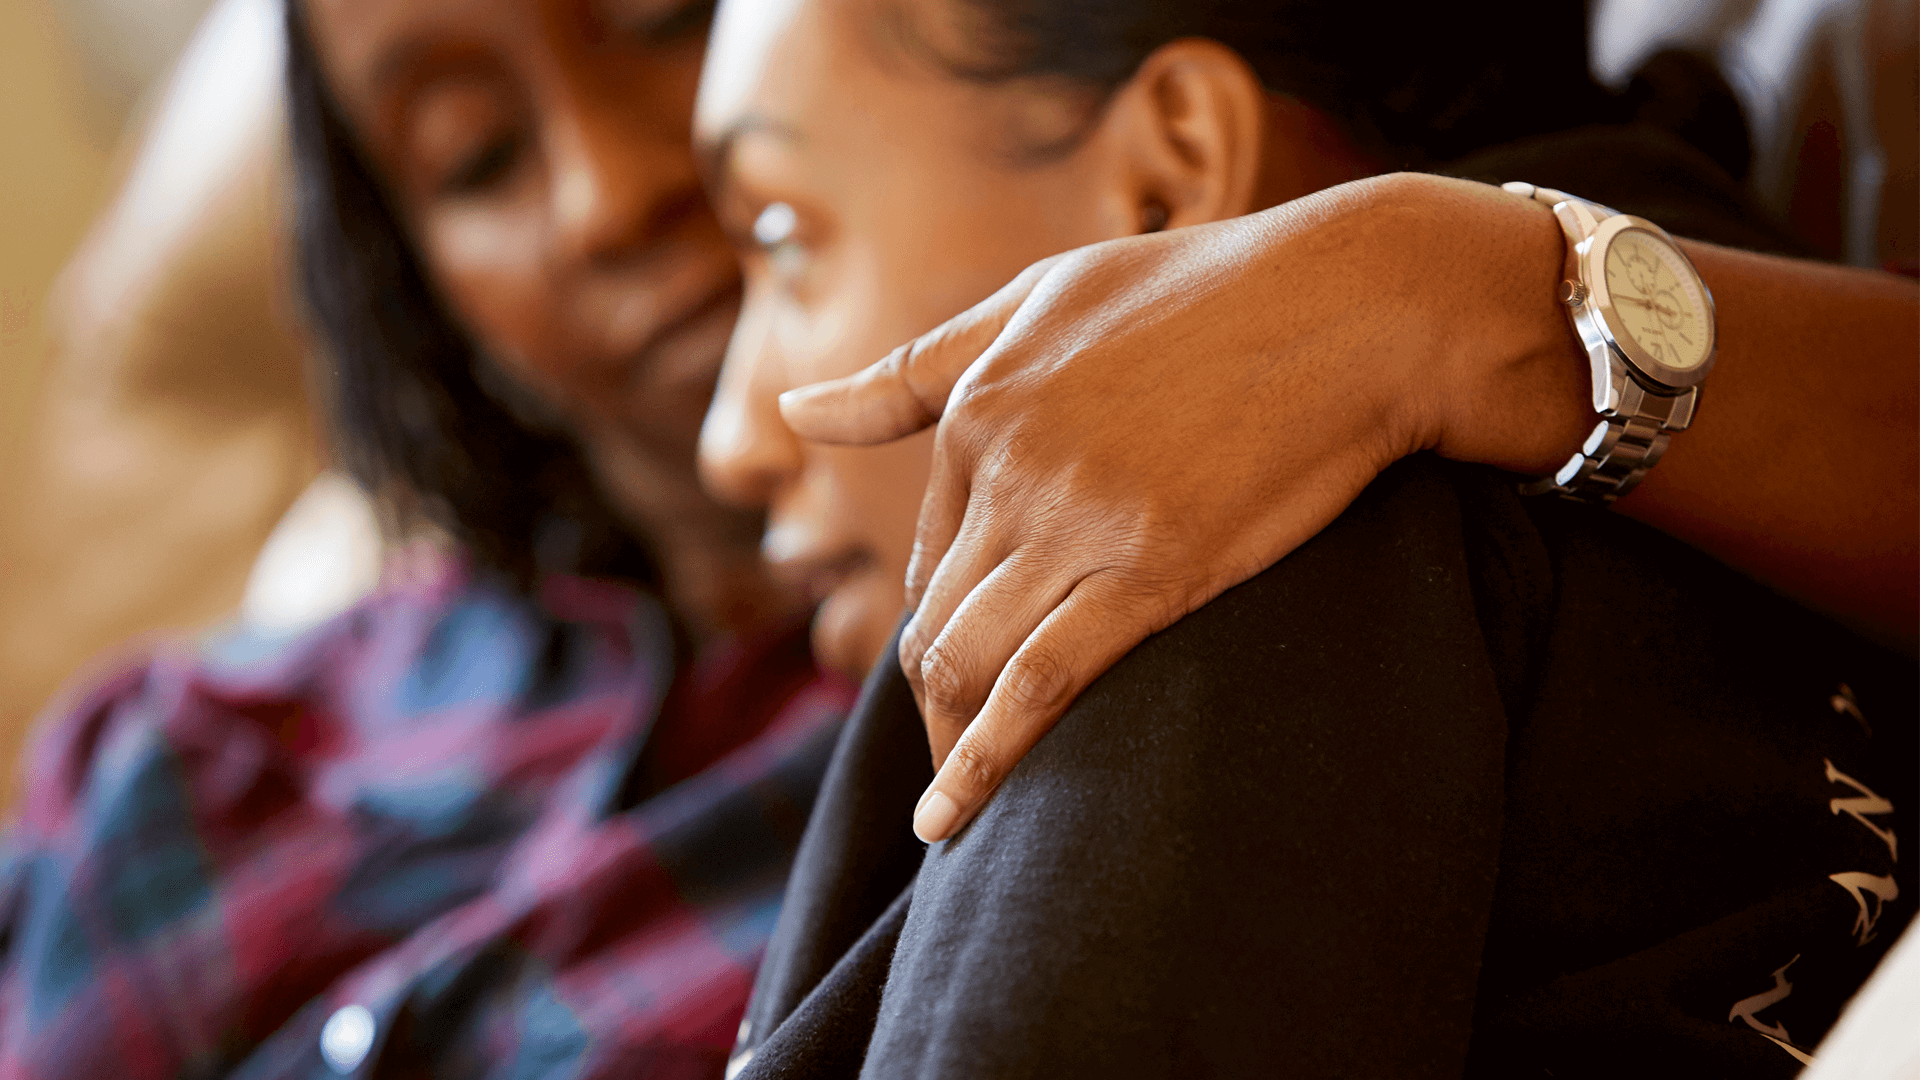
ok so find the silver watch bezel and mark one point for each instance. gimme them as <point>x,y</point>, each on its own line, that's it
<point>1592,253</point>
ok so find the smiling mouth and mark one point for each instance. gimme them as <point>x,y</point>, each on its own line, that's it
<point>690,345</point>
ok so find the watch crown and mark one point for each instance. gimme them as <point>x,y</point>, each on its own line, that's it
<point>1573,293</point>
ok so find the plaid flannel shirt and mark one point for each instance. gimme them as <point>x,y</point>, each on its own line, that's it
<point>451,833</point>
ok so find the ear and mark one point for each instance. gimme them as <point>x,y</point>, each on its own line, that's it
<point>1188,129</point>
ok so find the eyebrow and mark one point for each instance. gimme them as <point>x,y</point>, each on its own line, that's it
<point>398,63</point>
<point>716,155</point>
<point>413,63</point>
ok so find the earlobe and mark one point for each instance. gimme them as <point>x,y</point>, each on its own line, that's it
<point>1196,121</point>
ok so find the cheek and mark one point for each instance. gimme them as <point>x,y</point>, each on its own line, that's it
<point>893,485</point>
<point>930,257</point>
<point>490,269</point>
<point>850,319</point>
<point>874,506</point>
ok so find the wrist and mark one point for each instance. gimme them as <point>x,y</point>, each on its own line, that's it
<point>1383,254</point>
<point>1517,393</point>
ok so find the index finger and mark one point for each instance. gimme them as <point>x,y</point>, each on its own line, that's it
<point>906,390</point>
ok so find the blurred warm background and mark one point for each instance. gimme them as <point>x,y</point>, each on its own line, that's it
<point>159,468</point>
<point>152,383</point>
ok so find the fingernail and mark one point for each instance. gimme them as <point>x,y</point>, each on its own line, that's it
<point>935,817</point>
<point>799,396</point>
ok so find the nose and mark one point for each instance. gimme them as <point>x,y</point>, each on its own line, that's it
<point>747,452</point>
<point>616,185</point>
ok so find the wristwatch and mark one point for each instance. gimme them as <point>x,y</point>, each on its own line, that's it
<point>1646,320</point>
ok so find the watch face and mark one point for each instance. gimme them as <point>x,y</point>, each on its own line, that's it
<point>1657,299</point>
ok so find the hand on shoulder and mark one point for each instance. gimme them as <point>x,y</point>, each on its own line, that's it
<point>1128,429</point>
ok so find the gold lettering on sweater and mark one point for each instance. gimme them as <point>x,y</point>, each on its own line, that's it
<point>1860,885</point>
<point>1745,1008</point>
<point>1859,808</point>
<point>1845,704</point>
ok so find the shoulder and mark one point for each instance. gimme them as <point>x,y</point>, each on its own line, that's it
<point>1640,169</point>
<point>436,642</point>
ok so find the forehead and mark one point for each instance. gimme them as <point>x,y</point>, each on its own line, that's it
<point>822,71</point>
<point>746,35</point>
<point>769,60</point>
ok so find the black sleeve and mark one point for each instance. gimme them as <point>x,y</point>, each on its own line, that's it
<point>1467,784</point>
<point>855,864</point>
<point>1265,841</point>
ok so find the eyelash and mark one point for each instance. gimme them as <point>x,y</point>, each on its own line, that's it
<point>485,169</point>
<point>675,26</point>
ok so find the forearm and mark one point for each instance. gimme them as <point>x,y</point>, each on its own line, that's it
<point>1803,465</point>
<point>1333,335</point>
<point>1803,468</point>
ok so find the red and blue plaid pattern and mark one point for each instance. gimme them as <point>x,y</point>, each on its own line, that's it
<point>502,827</point>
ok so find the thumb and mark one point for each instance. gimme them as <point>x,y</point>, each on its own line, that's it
<point>907,389</point>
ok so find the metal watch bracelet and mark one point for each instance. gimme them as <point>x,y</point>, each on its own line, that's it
<point>1635,423</point>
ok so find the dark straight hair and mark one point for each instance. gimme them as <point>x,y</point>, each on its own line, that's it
<point>1416,83</point>
<point>417,415</point>
<point>421,420</point>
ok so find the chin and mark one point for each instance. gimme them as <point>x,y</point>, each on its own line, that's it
<point>853,626</point>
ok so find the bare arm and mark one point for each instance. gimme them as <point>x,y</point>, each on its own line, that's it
<point>1227,390</point>
<point>1804,468</point>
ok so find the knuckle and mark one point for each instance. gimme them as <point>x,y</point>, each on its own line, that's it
<point>1079,262</point>
<point>921,565</point>
<point>1149,541</point>
<point>919,573</point>
<point>945,685</point>
<point>993,391</point>
<point>894,364</point>
<point>998,466</point>
<point>973,764</point>
<point>1020,460</point>
<point>913,647</point>
<point>966,401</point>
<point>1038,680</point>
<point>919,635</point>
<point>1046,266</point>
<point>1024,444</point>
<point>1146,585</point>
<point>963,431</point>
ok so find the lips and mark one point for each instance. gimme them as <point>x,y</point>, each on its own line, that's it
<point>660,391</point>
<point>670,381</point>
<point>687,350</point>
<point>640,311</point>
<point>818,570</point>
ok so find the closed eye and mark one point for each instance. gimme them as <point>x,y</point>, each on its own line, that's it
<point>486,168</point>
<point>674,26</point>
